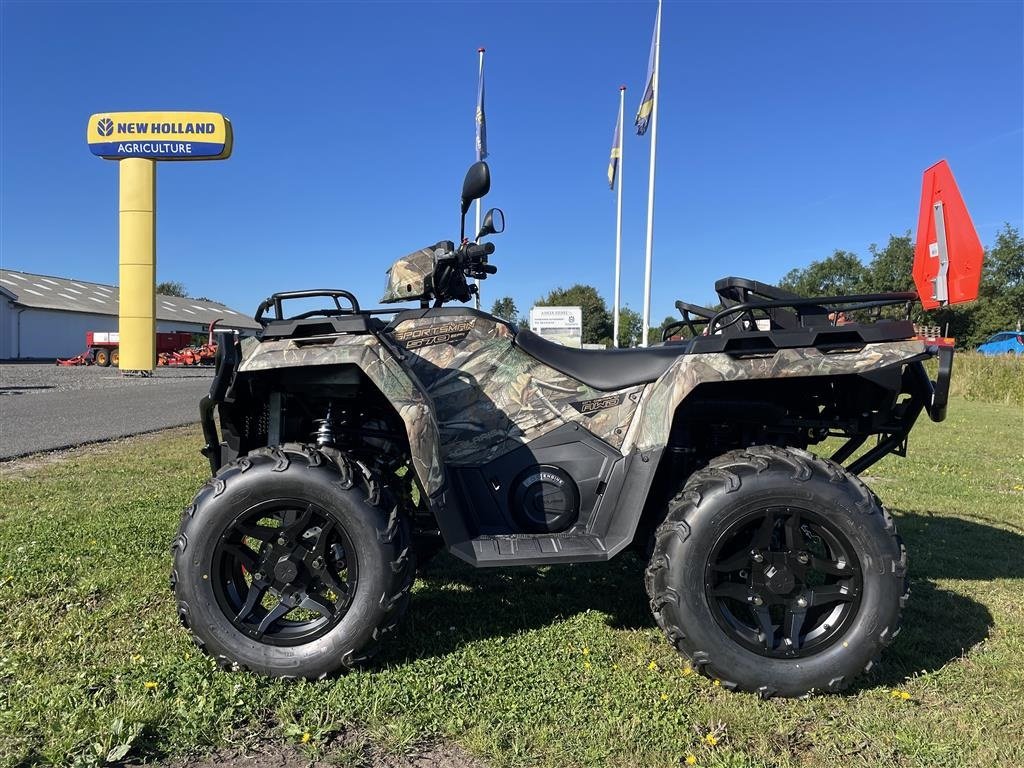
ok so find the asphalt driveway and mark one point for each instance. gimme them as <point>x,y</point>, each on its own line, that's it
<point>44,407</point>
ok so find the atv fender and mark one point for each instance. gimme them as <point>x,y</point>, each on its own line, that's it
<point>368,354</point>
<point>658,405</point>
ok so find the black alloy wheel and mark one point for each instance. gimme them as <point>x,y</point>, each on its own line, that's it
<point>285,572</point>
<point>778,572</point>
<point>783,582</point>
<point>292,563</point>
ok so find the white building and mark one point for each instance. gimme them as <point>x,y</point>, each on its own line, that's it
<point>44,317</point>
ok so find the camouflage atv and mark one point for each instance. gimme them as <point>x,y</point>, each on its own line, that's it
<point>353,442</point>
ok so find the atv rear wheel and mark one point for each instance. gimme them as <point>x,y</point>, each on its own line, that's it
<point>778,572</point>
<point>292,564</point>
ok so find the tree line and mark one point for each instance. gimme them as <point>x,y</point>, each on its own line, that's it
<point>174,288</point>
<point>597,318</point>
<point>1000,304</point>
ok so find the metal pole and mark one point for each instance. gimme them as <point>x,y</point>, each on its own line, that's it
<point>478,282</point>
<point>650,187</point>
<point>137,272</point>
<point>618,218</point>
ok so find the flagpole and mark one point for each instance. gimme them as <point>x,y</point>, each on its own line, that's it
<point>650,187</point>
<point>480,51</point>
<point>618,218</point>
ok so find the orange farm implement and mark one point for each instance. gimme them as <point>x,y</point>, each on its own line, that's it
<point>175,348</point>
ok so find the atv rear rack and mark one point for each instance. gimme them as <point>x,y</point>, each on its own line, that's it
<point>756,317</point>
<point>829,306</point>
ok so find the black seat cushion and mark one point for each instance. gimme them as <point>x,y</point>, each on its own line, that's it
<point>604,369</point>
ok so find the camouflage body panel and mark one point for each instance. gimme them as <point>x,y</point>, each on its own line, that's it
<point>467,395</point>
<point>409,276</point>
<point>394,382</point>
<point>490,397</point>
<point>651,429</point>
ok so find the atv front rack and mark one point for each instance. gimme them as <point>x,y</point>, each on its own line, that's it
<point>277,300</point>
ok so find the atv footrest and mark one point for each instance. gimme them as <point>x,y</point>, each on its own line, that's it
<point>532,549</point>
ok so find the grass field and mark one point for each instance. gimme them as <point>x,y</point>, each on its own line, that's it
<point>551,667</point>
<point>986,379</point>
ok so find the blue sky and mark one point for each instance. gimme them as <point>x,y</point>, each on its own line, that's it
<point>787,130</point>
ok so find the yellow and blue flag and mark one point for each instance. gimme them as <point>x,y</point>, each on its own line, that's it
<point>481,120</point>
<point>643,115</point>
<point>613,161</point>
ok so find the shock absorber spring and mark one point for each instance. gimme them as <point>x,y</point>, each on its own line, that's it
<point>325,429</point>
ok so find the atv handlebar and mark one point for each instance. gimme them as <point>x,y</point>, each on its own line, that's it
<point>452,269</point>
<point>477,251</point>
<point>474,260</point>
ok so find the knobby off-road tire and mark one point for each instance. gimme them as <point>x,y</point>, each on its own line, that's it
<point>350,503</point>
<point>697,596</point>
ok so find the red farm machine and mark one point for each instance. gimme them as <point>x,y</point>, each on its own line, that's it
<point>175,348</point>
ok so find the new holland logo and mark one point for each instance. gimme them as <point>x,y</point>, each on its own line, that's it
<point>105,127</point>
<point>588,407</point>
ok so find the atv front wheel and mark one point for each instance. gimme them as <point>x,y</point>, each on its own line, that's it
<point>778,572</point>
<point>292,564</point>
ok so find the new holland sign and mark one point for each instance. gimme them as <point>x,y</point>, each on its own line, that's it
<point>138,141</point>
<point>160,135</point>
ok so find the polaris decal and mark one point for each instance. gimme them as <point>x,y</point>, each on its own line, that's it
<point>443,333</point>
<point>588,407</point>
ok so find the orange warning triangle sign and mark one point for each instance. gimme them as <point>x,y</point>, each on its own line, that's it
<point>948,255</point>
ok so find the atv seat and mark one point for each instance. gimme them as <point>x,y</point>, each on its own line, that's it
<point>603,369</point>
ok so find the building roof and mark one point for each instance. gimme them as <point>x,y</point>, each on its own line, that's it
<point>47,292</point>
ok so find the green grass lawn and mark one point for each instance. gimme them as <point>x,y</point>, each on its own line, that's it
<point>555,667</point>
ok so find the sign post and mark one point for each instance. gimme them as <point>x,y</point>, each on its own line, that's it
<point>136,320</point>
<point>138,140</point>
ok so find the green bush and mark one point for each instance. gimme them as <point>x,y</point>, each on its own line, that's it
<point>986,379</point>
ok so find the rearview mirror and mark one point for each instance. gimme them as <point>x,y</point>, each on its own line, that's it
<point>476,185</point>
<point>494,223</point>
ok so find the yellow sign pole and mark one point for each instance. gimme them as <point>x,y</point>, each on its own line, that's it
<point>137,314</point>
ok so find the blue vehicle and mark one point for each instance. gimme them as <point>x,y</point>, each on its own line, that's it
<point>1004,343</point>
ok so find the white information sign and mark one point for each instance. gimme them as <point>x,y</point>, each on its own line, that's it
<point>563,325</point>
